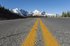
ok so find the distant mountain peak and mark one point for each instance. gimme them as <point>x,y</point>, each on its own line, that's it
<point>20,12</point>
<point>15,10</point>
<point>36,12</point>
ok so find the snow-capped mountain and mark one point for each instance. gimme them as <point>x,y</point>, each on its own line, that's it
<point>20,11</point>
<point>33,13</point>
<point>36,13</point>
<point>30,13</point>
<point>43,13</point>
<point>23,12</point>
<point>16,10</point>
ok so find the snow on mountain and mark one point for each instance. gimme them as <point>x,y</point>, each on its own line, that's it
<point>20,11</point>
<point>50,15</point>
<point>36,13</point>
<point>15,10</point>
<point>23,12</point>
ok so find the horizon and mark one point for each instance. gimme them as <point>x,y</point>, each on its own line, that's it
<point>49,6</point>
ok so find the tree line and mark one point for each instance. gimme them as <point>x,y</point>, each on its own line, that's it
<point>66,14</point>
<point>7,14</point>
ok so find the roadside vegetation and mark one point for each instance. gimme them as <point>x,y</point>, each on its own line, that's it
<point>66,14</point>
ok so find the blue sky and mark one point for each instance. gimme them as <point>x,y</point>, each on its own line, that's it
<point>50,6</point>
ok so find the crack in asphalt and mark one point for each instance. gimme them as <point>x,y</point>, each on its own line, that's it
<point>10,35</point>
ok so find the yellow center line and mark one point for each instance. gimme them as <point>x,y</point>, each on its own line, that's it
<point>31,38</point>
<point>49,40</point>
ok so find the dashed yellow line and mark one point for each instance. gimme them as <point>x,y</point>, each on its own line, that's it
<point>31,38</point>
<point>49,40</point>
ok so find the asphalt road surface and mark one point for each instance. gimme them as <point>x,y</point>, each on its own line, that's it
<point>60,28</point>
<point>18,32</point>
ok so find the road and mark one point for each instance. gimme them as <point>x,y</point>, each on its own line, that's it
<point>35,32</point>
<point>60,28</point>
